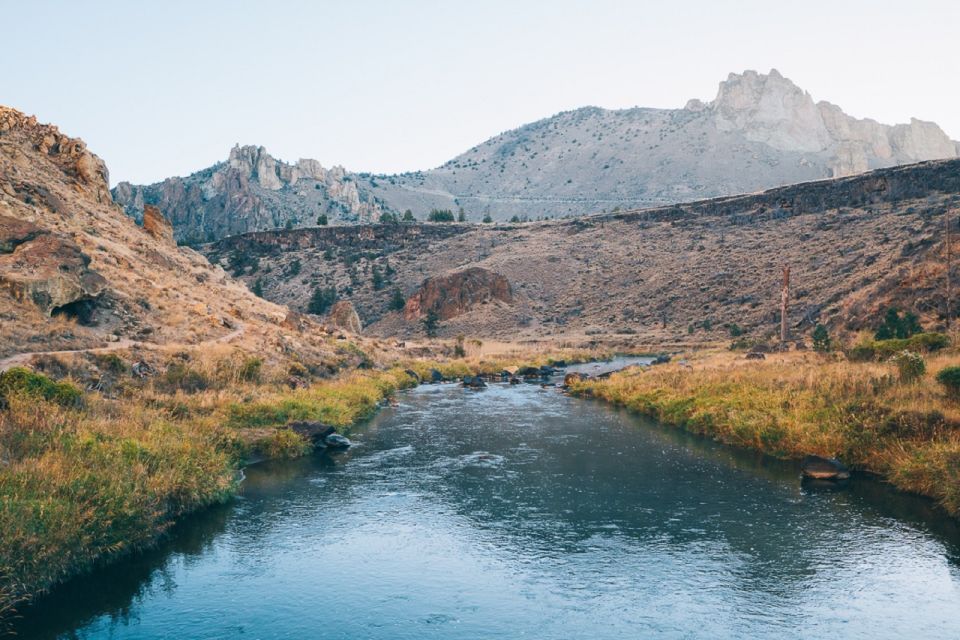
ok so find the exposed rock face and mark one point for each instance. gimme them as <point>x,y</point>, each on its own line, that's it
<point>344,316</point>
<point>70,155</point>
<point>156,224</point>
<point>252,191</point>
<point>45,269</point>
<point>451,295</point>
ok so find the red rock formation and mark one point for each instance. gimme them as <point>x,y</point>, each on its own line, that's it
<point>457,293</point>
<point>156,224</point>
<point>344,316</point>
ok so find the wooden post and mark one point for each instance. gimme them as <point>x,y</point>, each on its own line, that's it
<point>784,301</point>
<point>949,260</point>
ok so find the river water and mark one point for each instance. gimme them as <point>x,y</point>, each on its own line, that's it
<point>517,512</point>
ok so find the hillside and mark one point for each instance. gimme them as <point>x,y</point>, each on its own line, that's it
<point>75,272</point>
<point>855,245</point>
<point>760,131</point>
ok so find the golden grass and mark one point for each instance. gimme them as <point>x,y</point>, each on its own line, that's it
<point>796,404</point>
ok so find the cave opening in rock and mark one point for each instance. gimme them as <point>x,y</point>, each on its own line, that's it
<point>83,311</point>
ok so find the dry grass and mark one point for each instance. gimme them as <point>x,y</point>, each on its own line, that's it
<point>797,404</point>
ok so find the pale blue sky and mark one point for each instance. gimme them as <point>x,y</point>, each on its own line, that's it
<point>165,88</point>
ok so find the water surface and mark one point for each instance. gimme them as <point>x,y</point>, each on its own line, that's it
<point>516,512</point>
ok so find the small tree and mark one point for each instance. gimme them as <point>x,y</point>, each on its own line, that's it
<point>896,326</point>
<point>735,330</point>
<point>388,218</point>
<point>397,302</point>
<point>378,280</point>
<point>440,215</point>
<point>322,220</point>
<point>258,288</point>
<point>515,219</point>
<point>821,339</point>
<point>408,216</point>
<point>487,219</point>
<point>458,349</point>
<point>461,215</point>
<point>321,300</point>
<point>430,323</point>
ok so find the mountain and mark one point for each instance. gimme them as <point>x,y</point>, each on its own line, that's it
<point>856,246</point>
<point>760,131</point>
<point>253,191</point>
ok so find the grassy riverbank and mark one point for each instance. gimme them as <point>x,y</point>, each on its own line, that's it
<point>801,403</point>
<point>90,476</point>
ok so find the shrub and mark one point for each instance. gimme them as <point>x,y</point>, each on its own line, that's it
<point>285,443</point>
<point>179,376</point>
<point>821,339</point>
<point>885,349</point>
<point>322,220</point>
<point>910,365</point>
<point>897,326</point>
<point>408,216</point>
<point>950,379</point>
<point>735,330</point>
<point>250,370</point>
<point>22,381</point>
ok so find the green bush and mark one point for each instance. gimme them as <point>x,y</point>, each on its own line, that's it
<point>250,370</point>
<point>179,376</point>
<point>885,349</point>
<point>910,365</point>
<point>23,381</point>
<point>950,379</point>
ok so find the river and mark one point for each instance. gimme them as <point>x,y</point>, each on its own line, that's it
<point>518,512</point>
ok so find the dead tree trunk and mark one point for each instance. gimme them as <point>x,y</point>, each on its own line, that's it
<point>784,301</point>
<point>949,261</point>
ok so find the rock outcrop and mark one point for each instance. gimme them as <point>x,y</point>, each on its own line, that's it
<point>252,191</point>
<point>43,268</point>
<point>156,224</point>
<point>343,316</point>
<point>454,294</point>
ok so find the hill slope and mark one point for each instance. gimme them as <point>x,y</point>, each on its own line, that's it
<point>856,245</point>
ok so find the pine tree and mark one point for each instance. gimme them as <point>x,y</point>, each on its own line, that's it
<point>821,339</point>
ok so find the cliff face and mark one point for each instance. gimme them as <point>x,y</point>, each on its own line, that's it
<point>252,191</point>
<point>454,294</point>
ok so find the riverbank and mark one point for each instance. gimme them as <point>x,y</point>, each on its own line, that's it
<point>800,403</point>
<point>87,476</point>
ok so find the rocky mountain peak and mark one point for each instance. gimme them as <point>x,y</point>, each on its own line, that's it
<point>771,109</point>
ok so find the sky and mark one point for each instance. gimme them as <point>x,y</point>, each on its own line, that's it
<point>166,88</point>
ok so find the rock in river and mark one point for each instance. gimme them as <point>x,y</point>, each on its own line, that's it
<point>337,441</point>
<point>818,468</point>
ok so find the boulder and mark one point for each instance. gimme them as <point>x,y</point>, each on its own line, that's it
<point>344,316</point>
<point>755,355</point>
<point>514,380</point>
<point>435,376</point>
<point>474,382</point>
<point>572,378</point>
<point>817,468</point>
<point>315,432</point>
<point>337,441</point>
<point>529,372</point>
<point>413,374</point>
<point>454,294</point>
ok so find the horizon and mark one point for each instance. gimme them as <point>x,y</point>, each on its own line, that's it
<point>307,93</point>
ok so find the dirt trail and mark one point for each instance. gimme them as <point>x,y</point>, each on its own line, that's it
<point>21,359</point>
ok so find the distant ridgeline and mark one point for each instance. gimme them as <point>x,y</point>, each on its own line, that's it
<point>760,131</point>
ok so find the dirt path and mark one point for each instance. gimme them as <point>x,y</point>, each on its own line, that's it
<point>21,359</point>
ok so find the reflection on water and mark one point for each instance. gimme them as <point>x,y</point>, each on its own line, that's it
<point>516,511</point>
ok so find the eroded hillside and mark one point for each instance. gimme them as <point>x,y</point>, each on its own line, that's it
<point>855,246</point>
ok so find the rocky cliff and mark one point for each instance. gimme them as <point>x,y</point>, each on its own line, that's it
<point>252,191</point>
<point>454,294</point>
